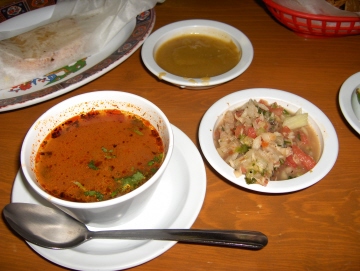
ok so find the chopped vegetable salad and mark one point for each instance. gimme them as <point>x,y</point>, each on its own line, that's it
<point>265,142</point>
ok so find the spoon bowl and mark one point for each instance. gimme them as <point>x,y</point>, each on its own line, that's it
<point>52,228</point>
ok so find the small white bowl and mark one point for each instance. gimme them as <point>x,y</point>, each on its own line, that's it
<point>208,27</point>
<point>108,212</point>
<point>349,104</point>
<point>317,119</point>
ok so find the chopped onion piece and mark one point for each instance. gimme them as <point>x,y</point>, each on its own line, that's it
<point>296,121</point>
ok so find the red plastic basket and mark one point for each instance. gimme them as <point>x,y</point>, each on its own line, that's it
<point>314,25</point>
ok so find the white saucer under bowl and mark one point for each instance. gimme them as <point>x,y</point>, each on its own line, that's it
<point>176,203</point>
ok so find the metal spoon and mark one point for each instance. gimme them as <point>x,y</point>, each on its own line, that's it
<point>52,228</point>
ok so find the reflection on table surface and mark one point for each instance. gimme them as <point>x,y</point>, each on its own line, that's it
<point>313,229</point>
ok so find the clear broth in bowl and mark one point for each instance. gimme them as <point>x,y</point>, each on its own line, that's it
<point>197,55</point>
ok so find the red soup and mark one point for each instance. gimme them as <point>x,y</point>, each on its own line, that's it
<point>98,156</point>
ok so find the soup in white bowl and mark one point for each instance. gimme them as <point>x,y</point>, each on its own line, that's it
<point>102,163</point>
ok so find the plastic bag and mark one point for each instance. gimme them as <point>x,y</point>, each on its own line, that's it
<point>76,29</point>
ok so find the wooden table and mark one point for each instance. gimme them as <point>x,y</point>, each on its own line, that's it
<point>317,228</point>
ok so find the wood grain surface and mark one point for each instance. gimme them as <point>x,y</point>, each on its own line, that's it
<point>317,228</point>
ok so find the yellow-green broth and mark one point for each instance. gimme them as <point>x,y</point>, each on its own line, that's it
<point>197,55</point>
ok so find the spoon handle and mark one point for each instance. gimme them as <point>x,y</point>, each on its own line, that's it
<point>228,238</point>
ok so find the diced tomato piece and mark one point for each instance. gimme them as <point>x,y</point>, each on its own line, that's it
<point>264,102</point>
<point>307,161</point>
<point>285,131</point>
<point>303,138</point>
<point>264,144</point>
<point>251,132</point>
<point>238,130</point>
<point>290,161</point>
<point>277,111</point>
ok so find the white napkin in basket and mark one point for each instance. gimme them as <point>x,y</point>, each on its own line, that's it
<point>319,7</point>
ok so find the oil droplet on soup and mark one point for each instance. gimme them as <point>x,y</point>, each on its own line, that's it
<point>197,55</point>
<point>98,156</point>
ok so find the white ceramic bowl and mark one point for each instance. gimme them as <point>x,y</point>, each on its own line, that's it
<point>317,119</point>
<point>349,104</point>
<point>208,27</point>
<point>108,212</point>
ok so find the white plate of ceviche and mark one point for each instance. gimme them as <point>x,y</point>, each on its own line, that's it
<point>268,140</point>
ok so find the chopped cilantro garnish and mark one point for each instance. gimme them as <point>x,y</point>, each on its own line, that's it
<point>136,177</point>
<point>156,159</point>
<point>96,194</point>
<point>92,165</point>
<point>150,163</point>
<point>108,153</point>
<point>138,132</point>
<point>132,181</point>
<point>114,193</point>
<point>92,193</point>
<point>242,149</point>
<point>261,111</point>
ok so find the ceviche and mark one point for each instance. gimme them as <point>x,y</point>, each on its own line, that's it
<point>266,142</point>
